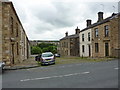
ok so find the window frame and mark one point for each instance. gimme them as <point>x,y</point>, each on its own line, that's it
<point>83,37</point>
<point>17,30</point>
<point>96,32</point>
<point>11,24</point>
<point>106,31</point>
<point>89,36</point>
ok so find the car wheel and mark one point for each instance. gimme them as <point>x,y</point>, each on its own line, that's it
<point>42,64</point>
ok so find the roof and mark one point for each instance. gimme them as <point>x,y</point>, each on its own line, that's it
<point>70,36</point>
<point>12,6</point>
<point>101,22</point>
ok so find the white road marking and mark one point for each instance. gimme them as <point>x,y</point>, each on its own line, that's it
<point>54,76</point>
<point>116,68</point>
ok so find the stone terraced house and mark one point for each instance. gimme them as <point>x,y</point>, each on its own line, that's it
<point>104,37</point>
<point>69,45</point>
<point>100,39</point>
<point>105,34</point>
<point>14,43</point>
<point>85,41</point>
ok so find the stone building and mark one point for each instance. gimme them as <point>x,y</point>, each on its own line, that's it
<point>69,45</point>
<point>85,41</point>
<point>104,35</point>
<point>14,43</point>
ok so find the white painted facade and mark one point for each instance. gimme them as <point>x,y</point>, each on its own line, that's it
<point>87,52</point>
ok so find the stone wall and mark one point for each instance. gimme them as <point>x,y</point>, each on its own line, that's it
<point>0,31</point>
<point>112,39</point>
<point>101,40</point>
<point>14,40</point>
<point>64,47</point>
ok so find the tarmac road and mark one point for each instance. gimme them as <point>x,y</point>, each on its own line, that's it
<point>80,75</point>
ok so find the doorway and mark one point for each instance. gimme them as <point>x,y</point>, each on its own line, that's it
<point>12,53</point>
<point>89,50</point>
<point>106,49</point>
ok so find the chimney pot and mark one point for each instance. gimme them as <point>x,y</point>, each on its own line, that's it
<point>77,30</point>
<point>66,34</point>
<point>88,22</point>
<point>100,16</point>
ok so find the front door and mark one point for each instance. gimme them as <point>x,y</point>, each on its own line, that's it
<point>12,53</point>
<point>106,49</point>
<point>89,50</point>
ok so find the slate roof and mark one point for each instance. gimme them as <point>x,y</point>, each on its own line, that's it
<point>101,22</point>
<point>70,36</point>
<point>93,25</point>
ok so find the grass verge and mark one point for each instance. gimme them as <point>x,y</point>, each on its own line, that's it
<point>68,60</point>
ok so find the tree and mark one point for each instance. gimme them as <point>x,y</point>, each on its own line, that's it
<point>36,50</point>
<point>44,47</point>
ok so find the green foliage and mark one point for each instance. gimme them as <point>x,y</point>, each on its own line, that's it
<point>44,47</point>
<point>45,50</point>
<point>36,50</point>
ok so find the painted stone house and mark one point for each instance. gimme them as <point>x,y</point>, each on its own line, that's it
<point>14,43</point>
<point>86,41</point>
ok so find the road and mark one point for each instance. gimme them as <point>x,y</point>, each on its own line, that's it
<point>80,75</point>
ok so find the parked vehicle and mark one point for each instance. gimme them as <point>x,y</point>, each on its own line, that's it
<point>2,64</point>
<point>47,58</point>
<point>57,55</point>
<point>37,58</point>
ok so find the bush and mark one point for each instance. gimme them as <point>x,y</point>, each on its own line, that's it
<point>44,47</point>
<point>36,50</point>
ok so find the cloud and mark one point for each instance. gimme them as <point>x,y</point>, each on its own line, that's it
<point>50,19</point>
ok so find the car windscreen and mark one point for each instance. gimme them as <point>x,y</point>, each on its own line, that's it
<point>47,55</point>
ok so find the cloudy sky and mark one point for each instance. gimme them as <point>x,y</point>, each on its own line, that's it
<point>50,19</point>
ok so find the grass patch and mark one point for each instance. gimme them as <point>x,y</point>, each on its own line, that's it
<point>68,60</point>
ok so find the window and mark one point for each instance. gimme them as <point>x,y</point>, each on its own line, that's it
<point>96,47</point>
<point>106,31</point>
<point>16,30</point>
<point>11,25</point>
<point>83,48</point>
<point>89,36</point>
<point>96,32</point>
<point>82,37</point>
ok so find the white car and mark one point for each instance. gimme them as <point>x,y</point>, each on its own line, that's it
<point>47,58</point>
<point>2,64</point>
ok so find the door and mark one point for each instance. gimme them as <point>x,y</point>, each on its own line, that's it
<point>89,50</point>
<point>12,53</point>
<point>106,49</point>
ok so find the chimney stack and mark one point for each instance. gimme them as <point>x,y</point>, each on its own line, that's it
<point>77,30</point>
<point>100,16</point>
<point>66,34</point>
<point>88,22</point>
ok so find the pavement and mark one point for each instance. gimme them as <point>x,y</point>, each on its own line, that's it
<point>28,63</point>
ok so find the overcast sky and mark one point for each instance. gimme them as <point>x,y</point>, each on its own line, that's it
<point>50,19</point>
